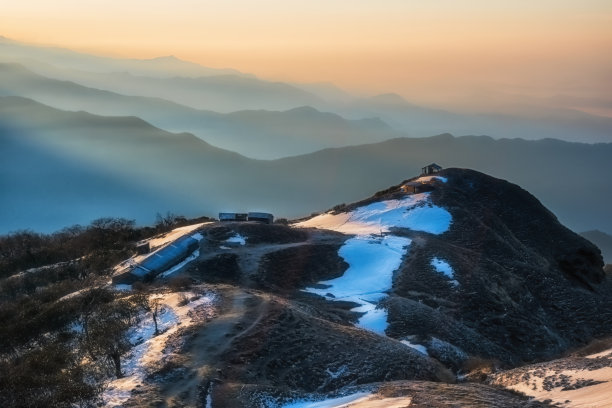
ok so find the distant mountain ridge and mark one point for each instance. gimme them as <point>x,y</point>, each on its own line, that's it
<point>228,90</point>
<point>136,170</point>
<point>258,134</point>
<point>222,93</point>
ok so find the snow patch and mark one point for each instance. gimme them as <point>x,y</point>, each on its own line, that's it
<point>76,327</point>
<point>372,261</point>
<point>209,396</point>
<point>236,239</point>
<point>123,287</point>
<point>443,267</point>
<point>418,347</point>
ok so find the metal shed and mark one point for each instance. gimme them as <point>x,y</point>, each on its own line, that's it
<point>165,258</point>
<point>266,218</point>
<point>233,216</point>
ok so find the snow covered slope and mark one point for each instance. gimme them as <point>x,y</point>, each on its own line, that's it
<point>374,254</point>
<point>415,212</point>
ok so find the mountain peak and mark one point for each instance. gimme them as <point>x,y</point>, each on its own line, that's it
<point>481,241</point>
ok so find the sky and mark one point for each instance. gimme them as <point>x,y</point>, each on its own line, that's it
<point>432,52</point>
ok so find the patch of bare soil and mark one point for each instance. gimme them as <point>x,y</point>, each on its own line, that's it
<point>221,268</point>
<point>294,268</point>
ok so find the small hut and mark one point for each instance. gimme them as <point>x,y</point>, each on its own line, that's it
<point>430,169</point>
<point>266,218</point>
<point>233,216</point>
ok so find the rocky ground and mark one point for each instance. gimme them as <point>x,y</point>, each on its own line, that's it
<point>524,289</point>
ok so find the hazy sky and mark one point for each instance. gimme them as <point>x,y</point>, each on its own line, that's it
<point>425,50</point>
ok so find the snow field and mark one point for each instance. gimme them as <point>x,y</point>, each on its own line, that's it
<point>413,211</point>
<point>372,256</point>
<point>372,261</point>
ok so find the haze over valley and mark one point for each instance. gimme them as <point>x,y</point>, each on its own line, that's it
<point>79,112</point>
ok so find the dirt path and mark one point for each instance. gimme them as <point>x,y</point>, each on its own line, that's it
<point>241,312</point>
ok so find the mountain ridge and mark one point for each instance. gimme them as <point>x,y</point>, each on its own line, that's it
<point>316,181</point>
<point>247,132</point>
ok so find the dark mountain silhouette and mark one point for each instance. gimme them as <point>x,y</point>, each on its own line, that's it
<point>258,134</point>
<point>195,178</point>
<point>528,287</point>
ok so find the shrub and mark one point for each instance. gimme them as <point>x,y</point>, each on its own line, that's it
<point>180,283</point>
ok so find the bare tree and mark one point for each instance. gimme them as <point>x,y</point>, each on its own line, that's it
<point>149,303</point>
<point>107,332</point>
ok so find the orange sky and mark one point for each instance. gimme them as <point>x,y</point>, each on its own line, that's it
<point>441,49</point>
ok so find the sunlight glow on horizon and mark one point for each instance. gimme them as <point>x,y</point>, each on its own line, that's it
<point>424,51</point>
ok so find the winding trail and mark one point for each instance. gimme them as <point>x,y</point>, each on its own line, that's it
<point>237,317</point>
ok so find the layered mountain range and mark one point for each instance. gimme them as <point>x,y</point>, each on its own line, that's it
<point>108,136</point>
<point>61,168</point>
